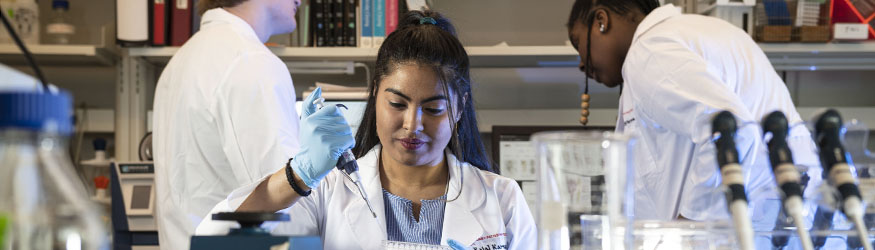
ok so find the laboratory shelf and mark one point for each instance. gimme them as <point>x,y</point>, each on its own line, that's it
<point>607,117</point>
<point>481,56</point>
<point>822,56</point>
<point>60,55</point>
<point>784,56</point>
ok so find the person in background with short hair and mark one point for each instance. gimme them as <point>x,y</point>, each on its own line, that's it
<point>420,156</point>
<point>224,112</point>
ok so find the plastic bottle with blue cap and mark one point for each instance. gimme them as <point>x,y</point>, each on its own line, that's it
<point>45,203</point>
<point>59,30</point>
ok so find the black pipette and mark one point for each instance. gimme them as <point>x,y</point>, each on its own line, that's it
<point>348,166</point>
<point>838,172</point>
<point>723,127</point>
<point>786,176</point>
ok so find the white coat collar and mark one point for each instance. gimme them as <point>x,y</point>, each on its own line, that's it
<point>459,221</point>
<point>655,17</point>
<point>217,16</point>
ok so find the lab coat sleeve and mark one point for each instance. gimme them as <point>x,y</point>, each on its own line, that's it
<point>518,219</point>
<point>208,226</point>
<point>681,91</point>
<point>256,117</point>
<point>306,215</point>
<point>685,94</point>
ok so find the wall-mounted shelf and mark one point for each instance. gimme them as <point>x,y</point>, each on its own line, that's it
<point>784,56</point>
<point>60,55</point>
<point>481,56</point>
<point>608,117</point>
<point>828,56</point>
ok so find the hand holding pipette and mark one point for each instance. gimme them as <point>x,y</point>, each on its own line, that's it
<point>347,164</point>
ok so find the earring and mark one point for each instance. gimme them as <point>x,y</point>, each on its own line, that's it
<point>602,28</point>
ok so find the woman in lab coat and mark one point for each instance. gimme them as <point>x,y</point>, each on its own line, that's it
<point>675,72</point>
<point>420,157</point>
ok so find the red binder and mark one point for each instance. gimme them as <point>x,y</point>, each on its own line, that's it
<point>180,21</point>
<point>391,16</point>
<point>159,22</point>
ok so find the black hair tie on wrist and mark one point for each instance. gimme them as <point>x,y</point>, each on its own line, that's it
<point>291,178</point>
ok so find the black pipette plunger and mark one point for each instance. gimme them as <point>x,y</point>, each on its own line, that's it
<point>837,171</point>
<point>786,176</point>
<point>733,178</point>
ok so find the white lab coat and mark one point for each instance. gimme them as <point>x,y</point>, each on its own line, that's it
<point>490,210</point>
<point>224,117</point>
<point>680,71</point>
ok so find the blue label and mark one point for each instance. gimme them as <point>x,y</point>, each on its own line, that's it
<point>367,17</point>
<point>380,18</point>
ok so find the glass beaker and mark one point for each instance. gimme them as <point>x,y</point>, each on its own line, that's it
<point>585,194</point>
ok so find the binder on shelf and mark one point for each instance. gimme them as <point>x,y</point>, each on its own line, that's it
<point>180,19</point>
<point>391,16</point>
<point>328,15</point>
<point>358,24</point>
<point>379,22</point>
<point>159,25</point>
<point>337,21</point>
<point>195,17</point>
<point>367,24</point>
<point>350,34</point>
<point>304,26</point>
<point>318,23</point>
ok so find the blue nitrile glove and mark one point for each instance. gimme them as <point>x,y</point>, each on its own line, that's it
<point>324,135</point>
<point>455,245</point>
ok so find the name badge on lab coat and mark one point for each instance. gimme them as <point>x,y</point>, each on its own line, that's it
<point>491,242</point>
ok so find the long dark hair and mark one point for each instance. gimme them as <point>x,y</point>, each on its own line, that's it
<point>583,12</point>
<point>426,38</point>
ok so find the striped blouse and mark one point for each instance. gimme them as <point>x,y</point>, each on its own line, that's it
<point>402,226</point>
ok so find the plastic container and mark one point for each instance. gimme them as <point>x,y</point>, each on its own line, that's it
<point>793,21</point>
<point>23,15</point>
<point>45,203</point>
<point>97,166</point>
<point>59,30</point>
<point>584,188</point>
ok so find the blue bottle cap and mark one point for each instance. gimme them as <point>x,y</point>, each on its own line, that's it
<point>64,4</point>
<point>99,144</point>
<point>44,112</point>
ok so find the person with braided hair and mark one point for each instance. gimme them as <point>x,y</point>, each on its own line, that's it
<point>675,71</point>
